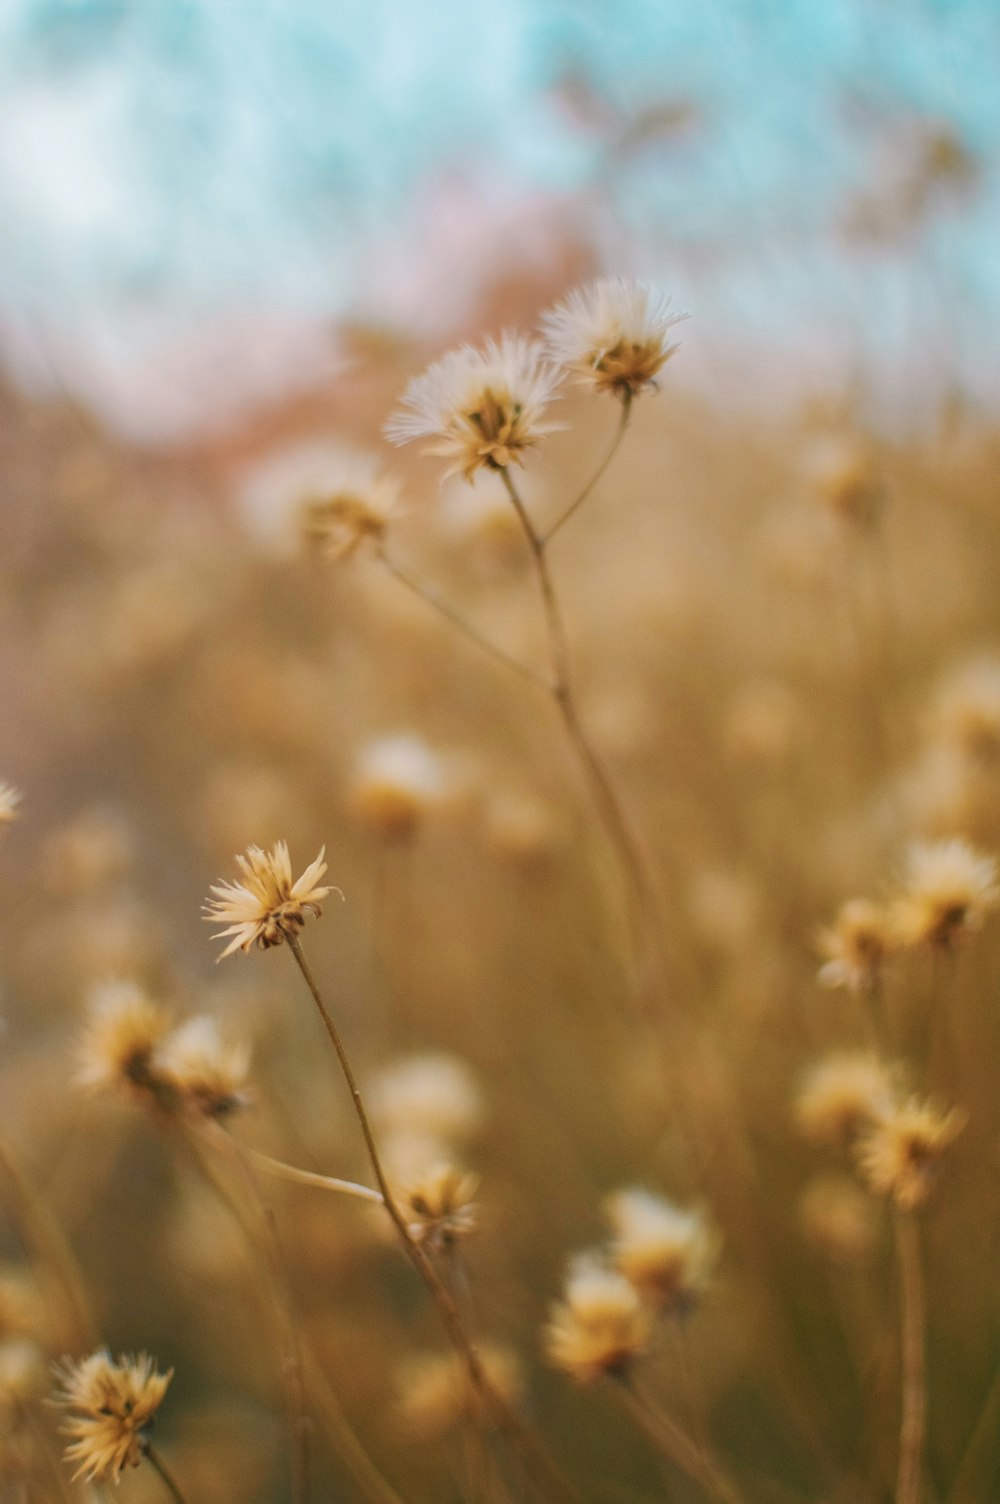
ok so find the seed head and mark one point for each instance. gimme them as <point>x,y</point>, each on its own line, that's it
<point>267,907</point>
<point>843,1095</point>
<point>898,1156</point>
<point>482,408</point>
<point>433,1095</point>
<point>665,1252</point>
<point>948,889</point>
<point>122,1032</point>
<point>355,502</point>
<point>856,946</point>
<point>111,1408</point>
<point>398,780</point>
<point>600,1326</point>
<point>613,335</point>
<point>207,1073</point>
<point>439,1205</point>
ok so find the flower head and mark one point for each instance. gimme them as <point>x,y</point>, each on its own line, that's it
<point>613,335</point>
<point>355,502</point>
<point>397,781</point>
<point>111,1407</point>
<point>843,1095</point>
<point>898,1156</point>
<point>948,888</point>
<point>10,800</point>
<point>665,1252</point>
<point>600,1326</point>
<point>267,907</point>
<point>207,1073</point>
<point>435,1394</point>
<point>856,946</point>
<point>122,1032</point>
<point>483,408</point>
<point>439,1205</point>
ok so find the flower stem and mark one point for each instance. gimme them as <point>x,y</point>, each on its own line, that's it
<point>623,418</point>
<point>159,1466</point>
<point>521,1437</point>
<point>309,1177</point>
<point>913,1422</point>
<point>676,1446</point>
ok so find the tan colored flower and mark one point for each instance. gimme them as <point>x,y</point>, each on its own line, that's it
<point>122,1032</point>
<point>838,1219</point>
<point>613,335</point>
<point>844,478</point>
<point>856,946</point>
<point>600,1326</point>
<point>439,1205</point>
<point>10,800</point>
<point>207,1073</point>
<point>435,1394</point>
<point>356,502</point>
<point>397,781</point>
<point>843,1095</point>
<point>967,713</point>
<point>110,1407</point>
<point>482,408</point>
<point>665,1252</point>
<point>899,1154</point>
<point>948,888</point>
<point>267,907</point>
<point>432,1095</point>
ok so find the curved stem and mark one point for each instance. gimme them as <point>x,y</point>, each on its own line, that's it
<point>623,417</point>
<point>430,596</point>
<point>156,1461</point>
<point>524,1441</point>
<point>677,1447</point>
<point>309,1177</point>
<point>913,1422</point>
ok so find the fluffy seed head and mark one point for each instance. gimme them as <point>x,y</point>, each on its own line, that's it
<point>665,1252</point>
<point>482,408</point>
<point>356,502</point>
<point>266,907</point>
<point>435,1395</point>
<point>843,1095</point>
<point>613,335</point>
<point>110,1408</point>
<point>439,1205</point>
<point>207,1073</point>
<point>122,1032</point>
<point>600,1326</point>
<point>856,946</point>
<point>838,1219</point>
<point>948,888</point>
<point>397,781</point>
<point>898,1156</point>
<point>434,1096</point>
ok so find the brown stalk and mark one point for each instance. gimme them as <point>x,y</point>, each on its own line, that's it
<point>912,1314</point>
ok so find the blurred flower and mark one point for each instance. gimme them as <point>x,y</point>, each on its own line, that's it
<point>967,713</point>
<point>947,888</point>
<point>355,503</point>
<point>10,799</point>
<point>332,493</point>
<point>433,1094</point>
<point>435,1394</point>
<point>482,407</point>
<point>898,1155</point>
<point>89,853</point>
<point>666,1253</point>
<point>111,1408</point>
<point>842,1095</point>
<point>439,1205</point>
<point>207,1073</point>
<point>23,1376</point>
<point>600,1326</point>
<point>122,1031</point>
<point>267,908</point>
<point>838,1218</point>
<point>397,780</point>
<point>612,335</point>
<point>844,479</point>
<point>856,945</point>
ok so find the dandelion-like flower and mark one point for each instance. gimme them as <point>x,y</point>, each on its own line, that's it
<point>207,1073</point>
<point>356,502</point>
<point>10,802</point>
<point>111,1408</point>
<point>267,907</point>
<point>665,1252</point>
<point>856,946</point>
<point>122,1032</point>
<point>613,335</point>
<point>968,711</point>
<point>482,408</point>
<point>843,1095</point>
<point>899,1155</point>
<point>600,1327</point>
<point>397,781</point>
<point>435,1394</point>
<point>948,888</point>
<point>439,1205</point>
<point>435,1095</point>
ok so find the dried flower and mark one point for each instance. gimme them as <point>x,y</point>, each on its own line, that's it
<point>483,408</point>
<point>207,1073</point>
<point>947,888</point>
<point>434,1095</point>
<point>397,780</point>
<point>439,1205</point>
<point>435,1394</point>
<point>856,946</point>
<point>600,1326</point>
<point>844,479</point>
<point>111,1408</point>
<point>838,1218</point>
<point>899,1154</point>
<point>122,1032</point>
<point>10,800</point>
<point>842,1095</point>
<point>665,1252</point>
<point>612,335</point>
<point>355,502</point>
<point>968,711</point>
<point>267,907</point>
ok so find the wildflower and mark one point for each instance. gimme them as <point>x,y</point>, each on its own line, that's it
<point>612,335</point>
<point>432,1094</point>
<point>333,494</point>
<point>842,1095</point>
<point>111,1408</point>
<point>398,780</point>
<point>267,907</point>
<point>968,711</point>
<point>483,408</point>
<point>856,946</point>
<point>844,479</point>
<point>439,1207</point>
<point>434,1391</point>
<point>355,502</point>
<point>898,1156</point>
<point>123,1029</point>
<point>664,1252</point>
<point>207,1073</point>
<point>838,1218</point>
<point>948,888</point>
<point>600,1326</point>
<point>10,799</point>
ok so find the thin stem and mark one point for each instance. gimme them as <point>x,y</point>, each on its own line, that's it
<point>913,1422</point>
<point>309,1177</point>
<point>524,1441</point>
<point>676,1446</point>
<point>430,596</point>
<point>623,417</point>
<point>159,1466</point>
